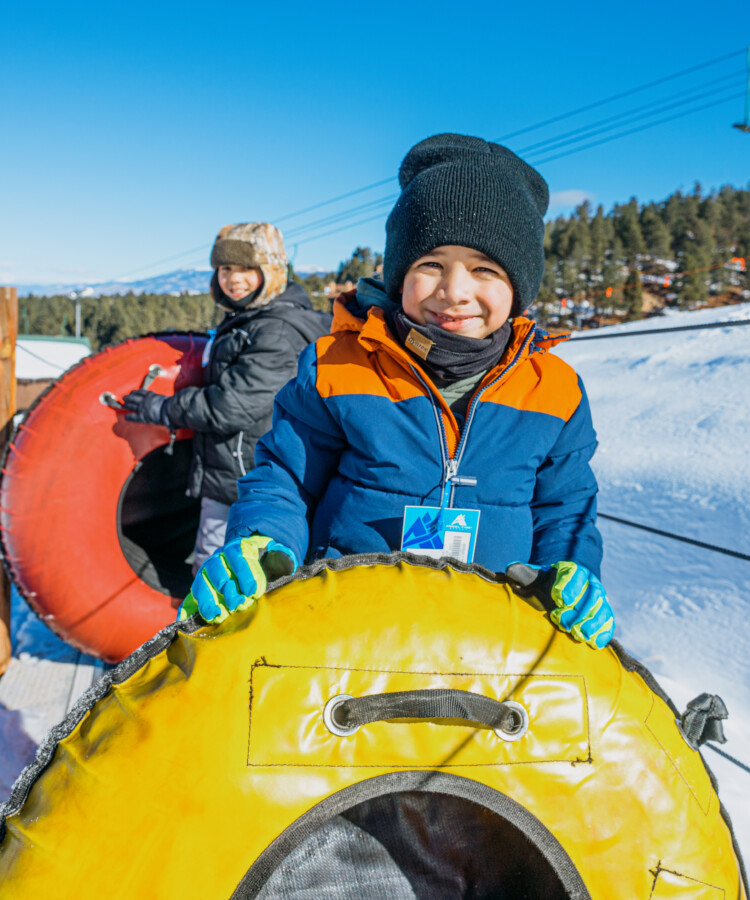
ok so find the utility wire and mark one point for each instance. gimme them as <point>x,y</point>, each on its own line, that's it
<point>539,144</point>
<point>551,158</point>
<point>337,217</point>
<point>534,127</point>
<point>607,139</point>
<point>162,261</point>
<point>634,115</point>
<point>342,228</point>
<point>631,115</point>
<point>506,137</point>
<point>614,137</point>
<point>643,87</point>
<point>307,209</point>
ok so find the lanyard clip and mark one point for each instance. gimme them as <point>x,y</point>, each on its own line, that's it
<point>452,479</point>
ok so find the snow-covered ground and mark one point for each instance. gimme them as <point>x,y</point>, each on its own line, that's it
<point>673,416</point>
<point>672,413</point>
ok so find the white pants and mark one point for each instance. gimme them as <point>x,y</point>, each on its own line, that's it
<point>212,529</point>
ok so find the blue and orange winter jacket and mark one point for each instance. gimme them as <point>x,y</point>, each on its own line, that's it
<point>362,432</point>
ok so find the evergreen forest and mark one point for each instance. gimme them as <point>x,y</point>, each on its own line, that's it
<point>686,251</point>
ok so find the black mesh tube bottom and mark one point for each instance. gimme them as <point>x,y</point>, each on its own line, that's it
<point>157,522</point>
<point>416,845</point>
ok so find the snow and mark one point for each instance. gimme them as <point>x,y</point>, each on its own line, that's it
<point>39,359</point>
<point>672,412</point>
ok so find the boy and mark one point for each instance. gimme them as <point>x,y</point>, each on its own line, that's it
<point>249,358</point>
<point>432,419</point>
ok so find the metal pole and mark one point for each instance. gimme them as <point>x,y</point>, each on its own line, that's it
<point>745,126</point>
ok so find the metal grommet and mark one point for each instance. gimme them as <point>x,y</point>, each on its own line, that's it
<point>328,711</point>
<point>516,735</point>
<point>108,399</point>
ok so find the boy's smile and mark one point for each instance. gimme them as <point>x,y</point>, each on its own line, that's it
<point>458,289</point>
<point>238,282</point>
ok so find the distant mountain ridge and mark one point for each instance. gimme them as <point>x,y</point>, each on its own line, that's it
<point>181,281</point>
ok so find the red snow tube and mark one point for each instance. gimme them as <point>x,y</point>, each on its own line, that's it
<point>94,521</point>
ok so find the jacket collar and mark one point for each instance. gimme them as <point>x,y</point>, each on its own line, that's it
<point>373,331</point>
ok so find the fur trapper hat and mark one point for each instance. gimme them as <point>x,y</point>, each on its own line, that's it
<point>256,245</point>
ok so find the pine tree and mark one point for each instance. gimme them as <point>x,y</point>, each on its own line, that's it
<point>361,264</point>
<point>694,263</point>
<point>628,229</point>
<point>598,241</point>
<point>632,295</point>
<point>655,233</point>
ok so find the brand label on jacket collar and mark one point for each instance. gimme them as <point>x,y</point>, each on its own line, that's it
<point>420,344</point>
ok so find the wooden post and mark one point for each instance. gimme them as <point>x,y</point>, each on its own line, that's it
<point>8,335</point>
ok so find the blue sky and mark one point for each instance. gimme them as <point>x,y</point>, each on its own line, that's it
<point>133,132</point>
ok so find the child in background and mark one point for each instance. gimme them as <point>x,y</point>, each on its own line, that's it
<point>249,358</point>
<point>433,419</point>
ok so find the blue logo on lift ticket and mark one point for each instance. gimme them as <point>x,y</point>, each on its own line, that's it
<point>432,532</point>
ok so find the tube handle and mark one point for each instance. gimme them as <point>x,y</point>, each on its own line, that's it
<point>507,719</point>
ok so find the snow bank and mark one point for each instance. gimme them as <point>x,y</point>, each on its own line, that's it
<point>672,413</point>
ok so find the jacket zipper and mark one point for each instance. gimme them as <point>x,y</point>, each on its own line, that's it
<point>451,478</point>
<point>239,453</point>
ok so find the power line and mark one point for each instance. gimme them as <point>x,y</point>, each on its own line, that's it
<point>587,128</point>
<point>538,125</point>
<point>361,190</point>
<point>643,87</point>
<point>579,149</point>
<point>555,141</point>
<point>338,217</point>
<point>615,137</point>
<point>162,261</point>
<point>633,114</point>
<point>342,228</point>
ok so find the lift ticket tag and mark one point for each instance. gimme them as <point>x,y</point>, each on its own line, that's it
<point>430,531</point>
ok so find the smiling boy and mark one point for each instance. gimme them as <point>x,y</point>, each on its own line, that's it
<point>249,357</point>
<point>433,419</point>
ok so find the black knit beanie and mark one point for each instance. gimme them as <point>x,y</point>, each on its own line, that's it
<point>465,191</point>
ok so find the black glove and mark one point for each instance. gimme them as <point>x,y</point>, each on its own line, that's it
<point>146,407</point>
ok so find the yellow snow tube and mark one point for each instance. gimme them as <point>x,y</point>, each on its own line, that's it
<point>207,762</point>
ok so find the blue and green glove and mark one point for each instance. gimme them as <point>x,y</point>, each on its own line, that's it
<point>233,578</point>
<point>574,596</point>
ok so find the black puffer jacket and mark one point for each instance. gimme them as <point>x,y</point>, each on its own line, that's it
<point>253,355</point>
